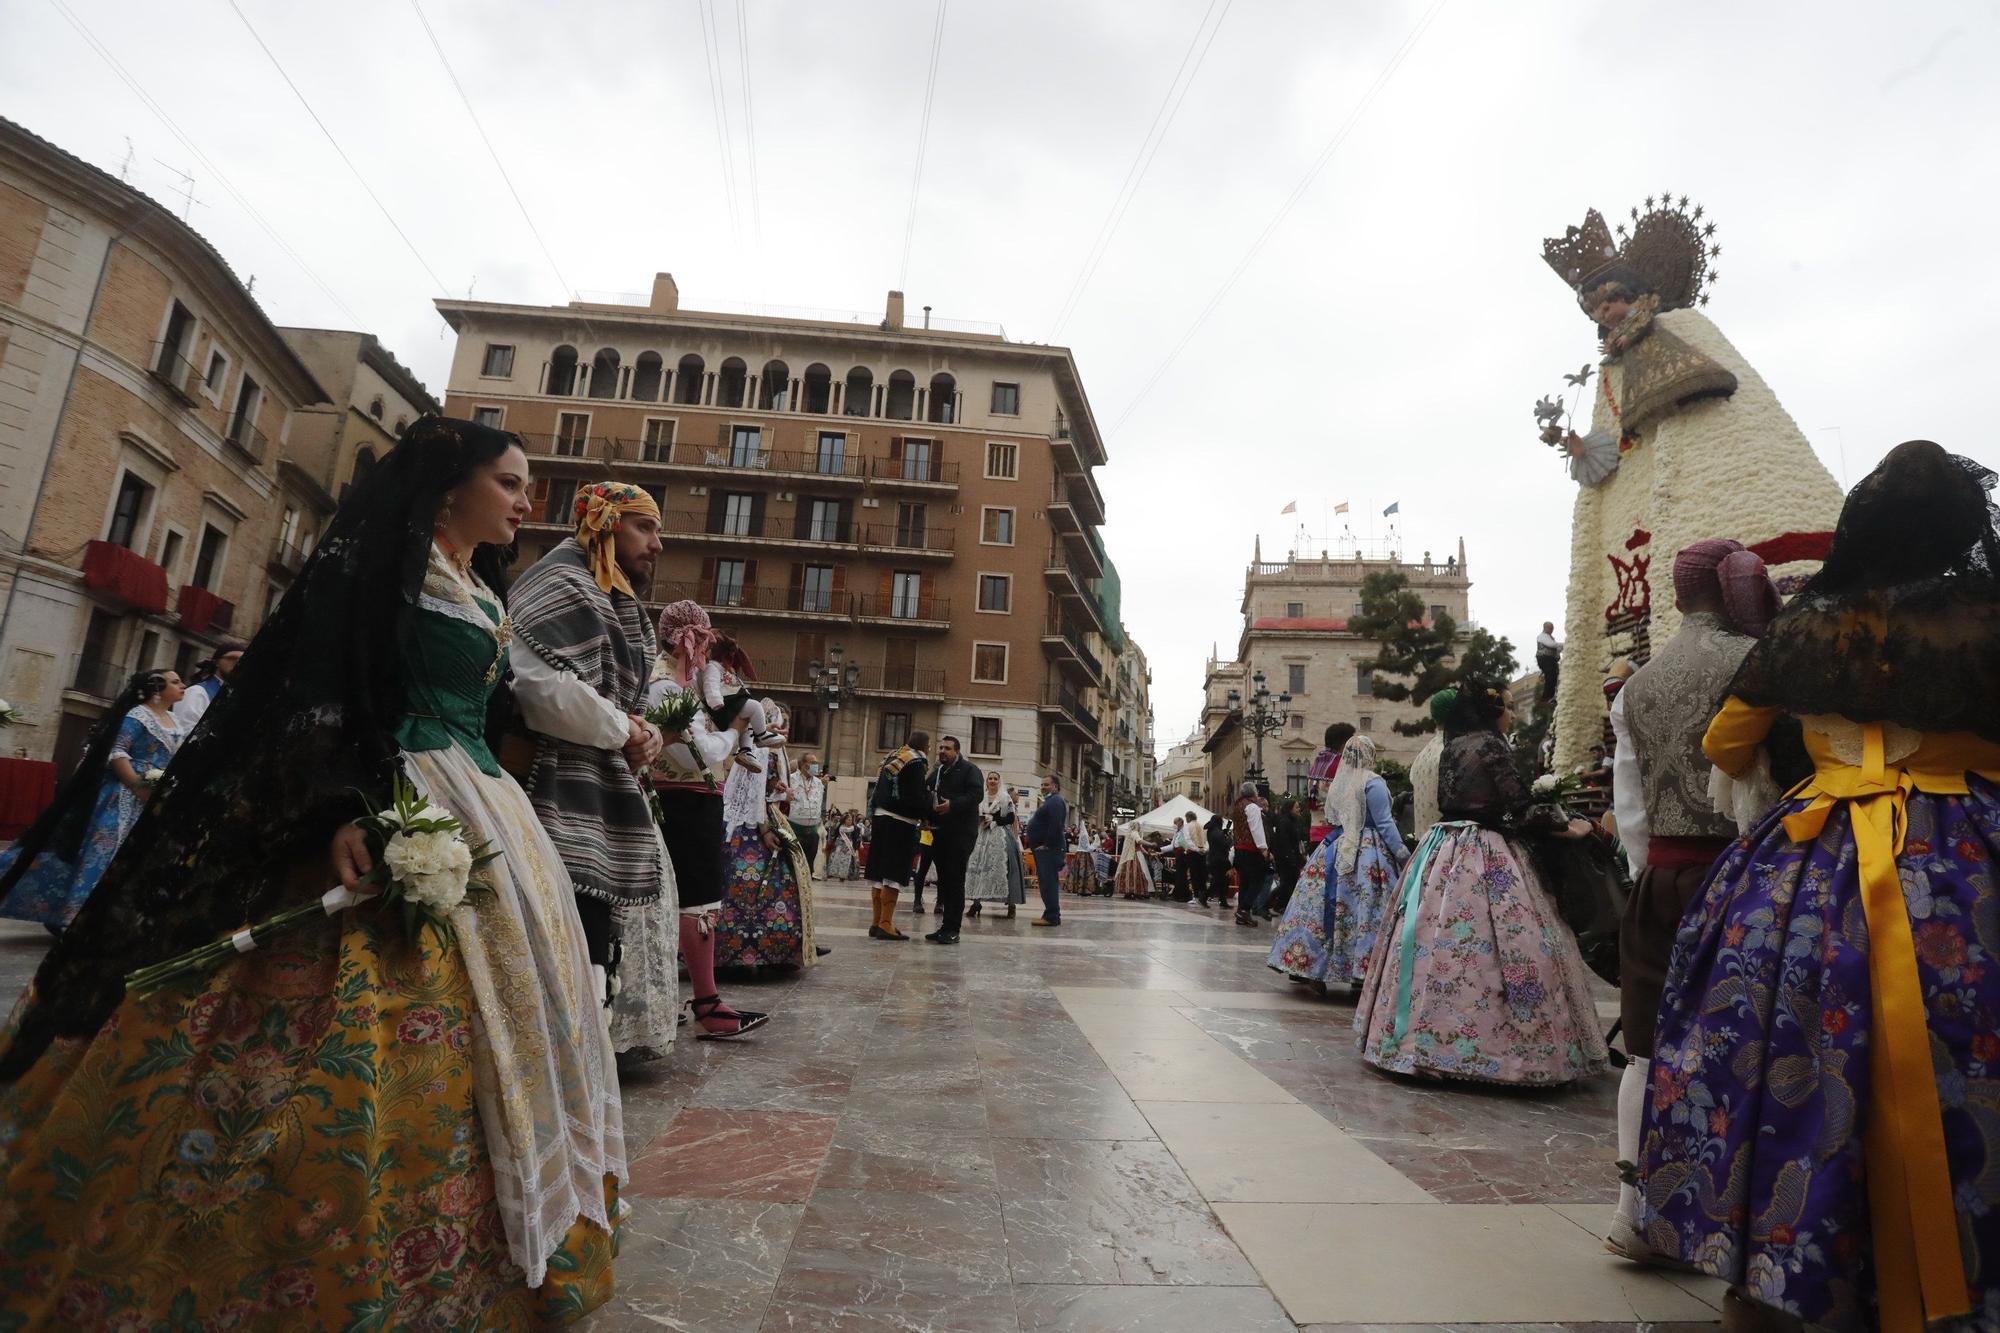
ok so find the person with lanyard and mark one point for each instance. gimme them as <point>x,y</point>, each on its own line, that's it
<point>211,678</point>
<point>582,652</point>
<point>1660,802</point>
<point>1044,835</point>
<point>1252,859</point>
<point>808,804</point>
<point>903,803</point>
<point>1821,1132</point>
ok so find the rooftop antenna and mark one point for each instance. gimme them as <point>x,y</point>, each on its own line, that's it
<point>927,317</point>
<point>188,201</point>
<point>125,167</point>
<point>470,285</point>
<point>251,287</point>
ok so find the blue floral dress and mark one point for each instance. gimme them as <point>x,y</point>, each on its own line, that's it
<point>53,889</point>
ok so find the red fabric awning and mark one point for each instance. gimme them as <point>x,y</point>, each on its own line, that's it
<point>126,575</point>
<point>202,610</point>
<point>26,788</point>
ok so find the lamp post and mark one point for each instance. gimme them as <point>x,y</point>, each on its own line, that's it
<point>1260,719</point>
<point>833,683</point>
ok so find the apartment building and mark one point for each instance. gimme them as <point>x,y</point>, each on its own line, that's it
<point>1295,614</point>
<point>897,519</point>
<point>146,404</point>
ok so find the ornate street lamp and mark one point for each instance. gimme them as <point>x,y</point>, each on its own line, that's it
<point>1260,718</point>
<point>833,683</point>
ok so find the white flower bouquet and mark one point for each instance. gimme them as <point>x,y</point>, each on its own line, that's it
<point>153,777</point>
<point>673,715</point>
<point>1554,790</point>
<point>423,866</point>
<point>9,715</point>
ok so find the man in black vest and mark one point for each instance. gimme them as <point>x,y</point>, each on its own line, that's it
<point>959,787</point>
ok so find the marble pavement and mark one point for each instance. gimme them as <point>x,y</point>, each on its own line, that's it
<point>1129,1123</point>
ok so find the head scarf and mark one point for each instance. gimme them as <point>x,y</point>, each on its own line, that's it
<point>1347,799</point>
<point>687,636</point>
<point>1749,598</point>
<point>599,507</point>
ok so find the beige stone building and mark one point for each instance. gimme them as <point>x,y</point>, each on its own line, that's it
<point>914,501</point>
<point>1295,614</point>
<point>146,407</point>
<point>1184,771</point>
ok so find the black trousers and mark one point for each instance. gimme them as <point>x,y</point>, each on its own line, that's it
<point>1288,879</point>
<point>952,853</point>
<point>1550,665</point>
<point>1251,869</point>
<point>808,841</point>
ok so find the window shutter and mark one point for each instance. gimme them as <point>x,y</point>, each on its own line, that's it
<point>722,436</point>
<point>802,517</point>
<point>839,586</point>
<point>757,514</point>
<point>896,455</point>
<point>749,579</point>
<point>708,579</point>
<point>888,592</point>
<point>798,580</point>
<point>539,496</point>
<point>716,501</point>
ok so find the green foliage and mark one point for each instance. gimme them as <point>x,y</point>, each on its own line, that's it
<point>1418,656</point>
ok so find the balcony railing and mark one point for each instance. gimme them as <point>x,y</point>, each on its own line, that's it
<point>778,462</point>
<point>790,600</point>
<point>900,606</point>
<point>1071,704</point>
<point>901,537</point>
<point>99,676</point>
<point>930,470</point>
<point>801,528</point>
<point>288,557</point>
<point>175,371</point>
<point>251,441</point>
<point>901,679</point>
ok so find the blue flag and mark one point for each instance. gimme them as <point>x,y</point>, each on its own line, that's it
<point>1395,508</point>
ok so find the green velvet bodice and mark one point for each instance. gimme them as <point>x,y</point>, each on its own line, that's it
<point>448,676</point>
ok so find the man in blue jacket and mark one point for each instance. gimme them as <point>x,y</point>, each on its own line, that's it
<point>1045,834</point>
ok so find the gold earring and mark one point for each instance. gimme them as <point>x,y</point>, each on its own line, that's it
<point>444,513</point>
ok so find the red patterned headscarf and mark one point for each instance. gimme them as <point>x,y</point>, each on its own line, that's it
<point>599,507</point>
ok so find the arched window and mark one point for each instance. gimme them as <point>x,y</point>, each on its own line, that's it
<point>402,424</point>
<point>364,463</point>
<point>860,392</point>
<point>647,372</point>
<point>774,387</point>
<point>688,380</point>
<point>375,407</point>
<point>604,373</point>
<point>562,372</point>
<point>900,403</point>
<point>818,389</point>
<point>731,379</point>
<point>944,399</point>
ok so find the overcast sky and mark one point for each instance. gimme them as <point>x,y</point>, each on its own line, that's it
<point>1386,344</point>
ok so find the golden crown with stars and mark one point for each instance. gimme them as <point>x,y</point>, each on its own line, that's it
<point>1667,247</point>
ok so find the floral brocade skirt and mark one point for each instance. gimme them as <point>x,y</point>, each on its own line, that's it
<point>289,1142</point>
<point>1752,1163</point>
<point>762,918</point>
<point>1474,975</point>
<point>1332,937</point>
<point>1300,947</point>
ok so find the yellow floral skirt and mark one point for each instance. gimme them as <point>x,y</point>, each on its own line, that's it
<point>290,1142</point>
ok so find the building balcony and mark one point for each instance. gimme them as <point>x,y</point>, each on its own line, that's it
<point>1068,707</point>
<point>736,465</point>
<point>902,682</point>
<point>757,603</point>
<point>911,473</point>
<point>904,612</point>
<point>922,543</point>
<point>1066,577</point>
<point>202,612</point>
<point>172,370</point>
<point>1083,492</point>
<point>684,527</point>
<point>124,574</point>
<point>1064,645</point>
<point>287,558</point>
<point>247,440</point>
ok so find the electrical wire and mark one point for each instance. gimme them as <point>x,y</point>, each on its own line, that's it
<point>749,117</point>
<point>724,138</point>
<point>1142,161</point>
<point>1291,201</point>
<point>387,216</point>
<point>923,142</point>
<point>493,152</point>
<point>220,177</point>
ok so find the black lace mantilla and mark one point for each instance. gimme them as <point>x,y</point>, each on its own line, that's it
<point>240,827</point>
<point>1902,623</point>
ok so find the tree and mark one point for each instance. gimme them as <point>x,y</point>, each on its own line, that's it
<point>1428,654</point>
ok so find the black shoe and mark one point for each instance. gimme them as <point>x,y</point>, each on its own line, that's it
<point>1245,919</point>
<point>941,937</point>
<point>820,950</point>
<point>973,910</point>
<point>877,933</point>
<point>936,910</point>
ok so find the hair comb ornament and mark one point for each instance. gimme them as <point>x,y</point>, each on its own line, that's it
<point>1666,248</point>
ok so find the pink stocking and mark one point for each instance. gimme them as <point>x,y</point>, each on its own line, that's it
<point>698,952</point>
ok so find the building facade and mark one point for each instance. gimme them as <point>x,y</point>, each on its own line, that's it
<point>146,406</point>
<point>898,523</point>
<point>1184,771</point>
<point>1295,613</point>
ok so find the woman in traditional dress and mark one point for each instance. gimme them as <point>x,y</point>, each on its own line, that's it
<point>1474,974</point>
<point>1080,864</point>
<point>995,873</point>
<point>763,920</point>
<point>1134,878</point>
<point>1325,764</point>
<point>1356,867</point>
<point>57,861</point>
<point>841,860</point>
<point>1824,1129</point>
<point>352,1125</point>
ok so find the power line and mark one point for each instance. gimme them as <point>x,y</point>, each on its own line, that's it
<point>493,152</point>
<point>221,178</point>
<point>397,227</point>
<point>749,116</point>
<point>712,56</point>
<point>923,141</point>
<point>1270,228</point>
<point>1142,161</point>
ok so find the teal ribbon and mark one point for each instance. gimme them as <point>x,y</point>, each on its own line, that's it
<point>1412,886</point>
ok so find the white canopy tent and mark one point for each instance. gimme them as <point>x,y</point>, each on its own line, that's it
<point>1161,818</point>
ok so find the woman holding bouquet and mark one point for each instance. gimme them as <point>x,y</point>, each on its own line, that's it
<point>352,1125</point>
<point>57,861</point>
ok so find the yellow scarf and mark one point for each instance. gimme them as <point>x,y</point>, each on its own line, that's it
<point>599,507</point>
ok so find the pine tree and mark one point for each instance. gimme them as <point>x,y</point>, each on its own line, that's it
<point>1426,654</point>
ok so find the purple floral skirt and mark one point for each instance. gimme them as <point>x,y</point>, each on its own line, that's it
<point>1752,1165</point>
